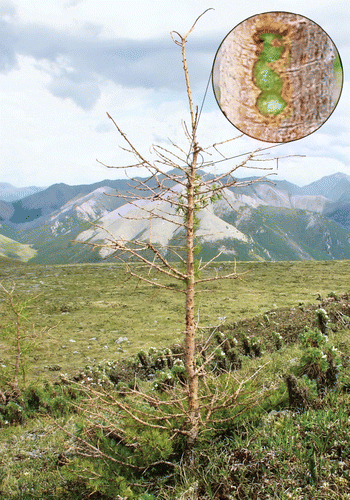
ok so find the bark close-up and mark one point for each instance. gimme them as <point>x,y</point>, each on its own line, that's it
<point>277,77</point>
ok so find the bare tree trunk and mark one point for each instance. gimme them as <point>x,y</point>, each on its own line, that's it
<point>190,344</point>
<point>190,334</point>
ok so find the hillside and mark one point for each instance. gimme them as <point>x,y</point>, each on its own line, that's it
<point>40,205</point>
<point>336,187</point>
<point>263,221</point>
<point>15,250</point>
<point>260,222</point>
<point>11,193</point>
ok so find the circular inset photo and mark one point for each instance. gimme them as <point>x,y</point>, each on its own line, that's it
<point>277,76</point>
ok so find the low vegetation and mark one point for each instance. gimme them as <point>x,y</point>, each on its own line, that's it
<point>276,342</point>
<point>87,313</point>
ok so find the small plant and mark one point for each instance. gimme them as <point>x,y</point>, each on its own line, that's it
<point>246,345</point>
<point>277,339</point>
<point>252,346</point>
<point>322,320</point>
<point>256,347</point>
<point>21,342</point>
<point>320,360</point>
<point>154,360</point>
<point>227,357</point>
<point>12,413</point>
<point>298,395</point>
<point>164,381</point>
<point>143,359</point>
<point>220,358</point>
<point>178,370</point>
<point>266,319</point>
<point>168,378</point>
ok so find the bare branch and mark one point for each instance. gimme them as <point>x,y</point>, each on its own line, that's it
<point>196,21</point>
<point>134,150</point>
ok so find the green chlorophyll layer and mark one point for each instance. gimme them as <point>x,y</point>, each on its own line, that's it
<point>270,100</point>
<point>338,71</point>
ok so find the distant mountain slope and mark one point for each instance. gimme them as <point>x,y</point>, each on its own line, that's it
<point>11,193</point>
<point>6,210</point>
<point>54,235</point>
<point>15,250</point>
<point>44,203</point>
<point>277,195</point>
<point>340,214</point>
<point>233,226</point>
<point>142,227</point>
<point>335,187</point>
<point>91,206</point>
<point>292,234</point>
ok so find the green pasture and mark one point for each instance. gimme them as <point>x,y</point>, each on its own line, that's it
<point>83,313</point>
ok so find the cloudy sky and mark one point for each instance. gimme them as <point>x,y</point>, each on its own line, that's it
<point>65,63</point>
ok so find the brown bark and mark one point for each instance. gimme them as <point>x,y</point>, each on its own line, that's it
<point>311,88</point>
<point>190,343</point>
<point>190,334</point>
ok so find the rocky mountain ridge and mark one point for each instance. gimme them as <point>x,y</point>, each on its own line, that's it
<point>264,221</point>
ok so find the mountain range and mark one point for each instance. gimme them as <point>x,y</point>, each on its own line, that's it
<point>12,193</point>
<point>263,221</point>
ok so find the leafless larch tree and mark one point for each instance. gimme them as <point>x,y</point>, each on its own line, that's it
<point>180,183</point>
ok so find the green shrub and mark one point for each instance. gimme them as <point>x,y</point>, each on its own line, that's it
<point>278,340</point>
<point>252,346</point>
<point>12,413</point>
<point>322,320</point>
<point>320,360</point>
<point>167,379</point>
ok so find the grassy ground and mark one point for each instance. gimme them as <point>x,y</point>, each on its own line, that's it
<point>271,451</point>
<point>78,314</point>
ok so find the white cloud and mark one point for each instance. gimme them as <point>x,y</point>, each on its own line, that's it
<point>303,171</point>
<point>79,59</point>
